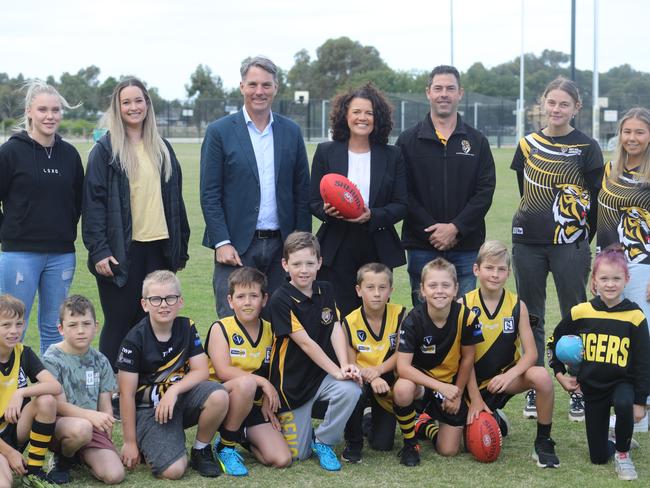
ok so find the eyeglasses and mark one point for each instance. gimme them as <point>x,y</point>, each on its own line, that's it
<point>156,301</point>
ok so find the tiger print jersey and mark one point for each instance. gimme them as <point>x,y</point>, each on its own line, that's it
<point>437,350</point>
<point>499,350</point>
<point>556,199</point>
<point>248,354</point>
<point>624,215</point>
<point>158,364</point>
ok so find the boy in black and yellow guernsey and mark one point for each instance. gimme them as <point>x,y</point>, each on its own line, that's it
<point>436,350</point>
<point>309,360</point>
<point>614,369</point>
<point>372,331</point>
<point>164,387</point>
<point>27,413</point>
<point>505,361</point>
<point>239,348</point>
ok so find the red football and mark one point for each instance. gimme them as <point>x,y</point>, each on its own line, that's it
<point>341,194</point>
<point>483,438</point>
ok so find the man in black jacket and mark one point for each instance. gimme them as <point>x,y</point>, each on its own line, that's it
<point>451,180</point>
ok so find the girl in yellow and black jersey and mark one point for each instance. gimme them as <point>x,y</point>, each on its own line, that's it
<point>624,203</point>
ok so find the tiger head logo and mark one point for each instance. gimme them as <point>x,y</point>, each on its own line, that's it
<point>570,209</point>
<point>634,233</point>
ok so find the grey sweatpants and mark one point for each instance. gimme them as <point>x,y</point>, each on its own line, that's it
<point>342,397</point>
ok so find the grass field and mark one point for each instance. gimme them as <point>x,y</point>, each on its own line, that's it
<point>514,467</point>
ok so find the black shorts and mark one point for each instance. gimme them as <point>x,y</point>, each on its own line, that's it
<point>495,400</point>
<point>10,436</point>
<point>254,417</point>
<point>433,402</point>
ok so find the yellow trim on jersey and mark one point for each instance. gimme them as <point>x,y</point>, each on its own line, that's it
<point>586,310</point>
<point>282,355</point>
<point>295,323</point>
<point>9,384</point>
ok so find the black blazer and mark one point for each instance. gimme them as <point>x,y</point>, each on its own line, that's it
<point>388,200</point>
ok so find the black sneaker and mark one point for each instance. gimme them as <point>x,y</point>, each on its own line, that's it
<point>530,408</point>
<point>204,461</point>
<point>544,453</point>
<point>351,455</point>
<point>502,421</point>
<point>60,467</point>
<point>577,407</point>
<point>409,455</point>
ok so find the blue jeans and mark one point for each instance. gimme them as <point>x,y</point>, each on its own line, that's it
<point>462,260</point>
<point>22,274</point>
<point>637,287</point>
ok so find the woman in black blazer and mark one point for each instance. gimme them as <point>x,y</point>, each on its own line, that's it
<point>361,123</point>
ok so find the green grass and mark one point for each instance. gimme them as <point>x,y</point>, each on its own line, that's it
<point>514,467</point>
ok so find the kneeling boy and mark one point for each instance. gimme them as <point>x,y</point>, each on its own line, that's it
<point>309,343</point>
<point>27,413</point>
<point>436,351</point>
<point>86,418</point>
<point>372,332</point>
<point>164,387</point>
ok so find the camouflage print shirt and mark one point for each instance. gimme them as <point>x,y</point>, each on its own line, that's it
<point>83,377</point>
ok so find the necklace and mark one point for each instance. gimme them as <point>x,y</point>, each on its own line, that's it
<point>49,153</point>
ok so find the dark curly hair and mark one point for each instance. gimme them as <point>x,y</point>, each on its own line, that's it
<point>382,110</point>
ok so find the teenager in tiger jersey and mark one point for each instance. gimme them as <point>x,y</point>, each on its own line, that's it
<point>239,348</point>
<point>372,332</point>
<point>164,387</point>
<point>624,203</point>
<point>436,351</point>
<point>558,170</point>
<point>504,364</point>
<point>615,364</point>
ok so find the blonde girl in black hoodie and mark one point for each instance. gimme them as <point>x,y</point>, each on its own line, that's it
<point>41,182</point>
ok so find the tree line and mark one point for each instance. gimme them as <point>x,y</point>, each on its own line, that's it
<point>338,64</point>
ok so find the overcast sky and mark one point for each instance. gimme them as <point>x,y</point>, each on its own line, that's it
<point>162,41</point>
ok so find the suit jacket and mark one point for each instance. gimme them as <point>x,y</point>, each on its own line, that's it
<point>230,183</point>
<point>388,200</point>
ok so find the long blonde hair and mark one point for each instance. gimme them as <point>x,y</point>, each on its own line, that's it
<point>620,155</point>
<point>33,88</point>
<point>123,150</point>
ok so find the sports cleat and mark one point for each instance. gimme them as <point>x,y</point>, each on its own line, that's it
<point>502,420</point>
<point>409,455</point>
<point>351,455</point>
<point>326,456</point>
<point>530,408</point>
<point>576,407</point>
<point>544,453</point>
<point>60,467</point>
<point>422,420</point>
<point>205,462</point>
<point>40,479</point>
<point>233,463</point>
<point>624,466</point>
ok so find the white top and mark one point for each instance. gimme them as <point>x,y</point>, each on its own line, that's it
<point>359,173</point>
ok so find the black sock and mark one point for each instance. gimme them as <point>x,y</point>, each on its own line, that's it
<point>39,440</point>
<point>543,430</point>
<point>229,438</point>
<point>406,420</point>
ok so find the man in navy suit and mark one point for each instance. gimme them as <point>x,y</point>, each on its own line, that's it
<point>254,183</point>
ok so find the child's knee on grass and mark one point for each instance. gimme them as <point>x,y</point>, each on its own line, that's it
<point>448,440</point>
<point>176,470</point>
<point>105,465</point>
<point>45,408</point>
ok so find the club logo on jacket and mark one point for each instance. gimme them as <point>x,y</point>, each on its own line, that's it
<point>465,146</point>
<point>237,339</point>
<point>327,316</point>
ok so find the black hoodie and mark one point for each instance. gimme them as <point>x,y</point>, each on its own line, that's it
<point>40,196</point>
<point>617,347</point>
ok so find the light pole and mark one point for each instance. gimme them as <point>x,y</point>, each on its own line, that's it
<point>595,116</point>
<point>521,111</point>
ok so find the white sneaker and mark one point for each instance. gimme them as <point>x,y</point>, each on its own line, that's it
<point>611,437</point>
<point>576,407</point>
<point>624,466</point>
<point>530,407</point>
